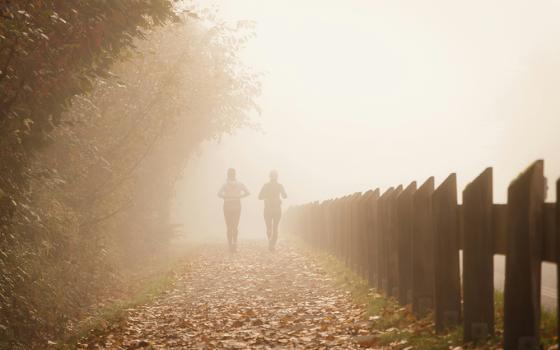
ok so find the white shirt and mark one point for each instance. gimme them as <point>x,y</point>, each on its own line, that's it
<point>233,190</point>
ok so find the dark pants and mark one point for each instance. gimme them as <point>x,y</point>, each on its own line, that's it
<point>232,212</point>
<point>272,217</point>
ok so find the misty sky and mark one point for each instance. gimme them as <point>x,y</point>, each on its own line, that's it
<point>361,94</point>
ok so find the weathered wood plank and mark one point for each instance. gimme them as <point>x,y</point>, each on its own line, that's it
<point>330,225</point>
<point>356,227</point>
<point>383,236</point>
<point>343,229</point>
<point>360,249</point>
<point>447,293</point>
<point>478,258</point>
<point>405,209</point>
<point>460,210</point>
<point>393,244</point>
<point>363,248</point>
<point>312,223</point>
<point>339,227</point>
<point>373,238</point>
<point>335,225</point>
<point>522,293</point>
<point>354,230</point>
<point>558,258</point>
<point>423,250</point>
<point>317,223</point>
<point>347,229</point>
<point>324,217</point>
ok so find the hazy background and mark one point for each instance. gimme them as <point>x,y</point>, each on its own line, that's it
<point>360,94</point>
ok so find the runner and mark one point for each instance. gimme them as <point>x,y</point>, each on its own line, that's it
<point>271,193</point>
<point>232,192</point>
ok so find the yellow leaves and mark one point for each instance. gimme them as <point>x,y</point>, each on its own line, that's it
<point>253,300</point>
<point>366,341</point>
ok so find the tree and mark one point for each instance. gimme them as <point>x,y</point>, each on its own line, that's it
<point>91,148</point>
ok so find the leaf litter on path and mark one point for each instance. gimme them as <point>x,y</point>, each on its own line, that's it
<point>253,299</point>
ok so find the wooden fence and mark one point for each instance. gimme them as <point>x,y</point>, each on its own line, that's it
<point>406,243</point>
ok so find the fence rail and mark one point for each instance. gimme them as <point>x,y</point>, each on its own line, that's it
<point>406,243</point>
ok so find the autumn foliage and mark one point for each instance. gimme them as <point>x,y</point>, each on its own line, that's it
<point>101,104</point>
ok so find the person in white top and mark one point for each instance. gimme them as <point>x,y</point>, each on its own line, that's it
<point>232,192</point>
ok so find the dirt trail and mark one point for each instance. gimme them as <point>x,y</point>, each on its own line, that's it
<point>251,300</point>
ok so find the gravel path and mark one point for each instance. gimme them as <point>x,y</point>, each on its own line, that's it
<point>253,299</point>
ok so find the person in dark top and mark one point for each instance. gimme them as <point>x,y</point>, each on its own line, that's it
<point>232,191</point>
<point>272,194</point>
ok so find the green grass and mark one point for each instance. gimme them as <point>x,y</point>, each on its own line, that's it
<point>549,336</point>
<point>148,284</point>
<point>549,321</point>
<point>117,311</point>
<point>392,324</point>
<point>395,325</point>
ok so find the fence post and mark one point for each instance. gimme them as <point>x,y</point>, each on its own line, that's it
<point>363,237</point>
<point>340,229</point>
<point>423,250</point>
<point>405,216</point>
<point>334,223</point>
<point>309,231</point>
<point>373,232</point>
<point>393,244</point>
<point>348,240</point>
<point>329,217</point>
<point>558,259</point>
<point>336,233</point>
<point>350,232</point>
<point>304,220</point>
<point>325,219</point>
<point>343,229</point>
<point>320,232</point>
<point>348,229</point>
<point>323,234</point>
<point>478,258</point>
<point>304,226</point>
<point>315,223</point>
<point>356,227</point>
<point>447,292</point>
<point>523,259</point>
<point>382,256</point>
<point>313,218</point>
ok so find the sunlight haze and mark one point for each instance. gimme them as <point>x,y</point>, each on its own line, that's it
<point>363,94</point>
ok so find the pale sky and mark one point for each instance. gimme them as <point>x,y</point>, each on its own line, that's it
<point>361,94</point>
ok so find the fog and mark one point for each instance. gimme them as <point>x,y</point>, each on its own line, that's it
<point>364,94</point>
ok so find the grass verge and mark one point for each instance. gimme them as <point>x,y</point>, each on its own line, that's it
<point>116,312</point>
<point>148,286</point>
<point>394,326</point>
